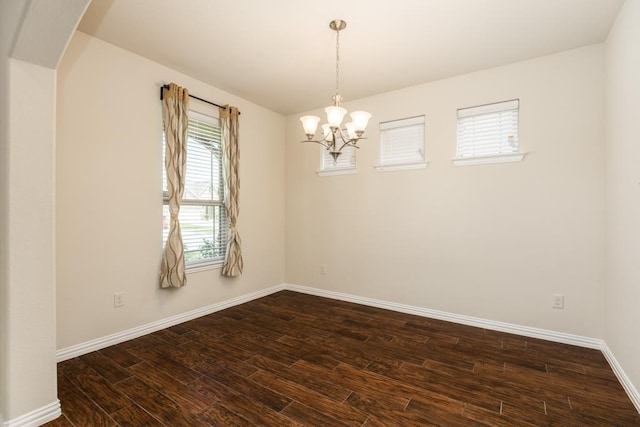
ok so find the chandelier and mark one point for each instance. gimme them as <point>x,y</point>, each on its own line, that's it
<point>334,137</point>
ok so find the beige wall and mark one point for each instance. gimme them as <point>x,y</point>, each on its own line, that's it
<point>622,315</point>
<point>492,241</point>
<point>109,191</point>
<point>8,24</point>
<point>31,372</point>
<point>33,36</point>
<point>404,236</point>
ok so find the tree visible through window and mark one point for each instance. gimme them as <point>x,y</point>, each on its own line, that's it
<point>202,214</point>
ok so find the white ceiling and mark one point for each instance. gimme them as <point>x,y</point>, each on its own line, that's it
<point>281,53</point>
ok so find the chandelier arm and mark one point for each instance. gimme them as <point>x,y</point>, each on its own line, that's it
<point>346,141</point>
<point>350,142</point>
<point>324,144</point>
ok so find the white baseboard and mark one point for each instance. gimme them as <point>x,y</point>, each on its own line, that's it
<point>628,386</point>
<point>527,331</point>
<point>455,318</point>
<point>36,418</point>
<point>561,337</point>
<point>109,340</point>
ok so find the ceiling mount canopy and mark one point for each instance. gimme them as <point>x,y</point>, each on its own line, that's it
<point>334,137</point>
<point>337,25</point>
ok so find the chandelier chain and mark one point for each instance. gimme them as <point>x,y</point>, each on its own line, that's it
<point>337,63</point>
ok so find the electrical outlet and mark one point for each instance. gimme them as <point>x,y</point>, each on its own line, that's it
<point>118,299</point>
<point>323,269</point>
<point>558,301</point>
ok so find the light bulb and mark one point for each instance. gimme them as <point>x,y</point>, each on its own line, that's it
<point>351,130</point>
<point>360,120</point>
<point>335,115</point>
<point>310,124</point>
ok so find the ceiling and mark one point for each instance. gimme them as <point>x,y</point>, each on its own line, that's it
<point>281,54</point>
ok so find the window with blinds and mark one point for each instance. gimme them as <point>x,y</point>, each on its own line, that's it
<point>489,130</point>
<point>344,164</point>
<point>203,218</point>
<point>402,144</point>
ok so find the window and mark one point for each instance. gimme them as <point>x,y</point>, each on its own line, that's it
<point>202,215</point>
<point>488,134</point>
<point>402,144</point>
<point>345,163</point>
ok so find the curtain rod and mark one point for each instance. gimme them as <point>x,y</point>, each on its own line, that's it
<point>191,96</point>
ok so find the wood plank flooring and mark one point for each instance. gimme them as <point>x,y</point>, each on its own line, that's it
<point>292,359</point>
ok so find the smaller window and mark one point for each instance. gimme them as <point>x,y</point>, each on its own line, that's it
<point>345,164</point>
<point>488,134</point>
<point>402,144</point>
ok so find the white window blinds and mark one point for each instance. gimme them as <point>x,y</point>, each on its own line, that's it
<point>488,130</point>
<point>202,215</point>
<point>345,161</point>
<point>402,142</point>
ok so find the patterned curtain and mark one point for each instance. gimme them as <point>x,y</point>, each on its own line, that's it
<point>233,264</point>
<point>175,115</point>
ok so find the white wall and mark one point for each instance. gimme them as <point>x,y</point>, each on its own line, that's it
<point>109,165</point>
<point>622,315</point>
<point>492,241</point>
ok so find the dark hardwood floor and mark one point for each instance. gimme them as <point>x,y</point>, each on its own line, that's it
<point>292,359</point>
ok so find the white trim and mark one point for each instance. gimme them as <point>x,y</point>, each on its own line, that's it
<point>456,318</point>
<point>401,166</point>
<point>399,123</point>
<point>53,410</point>
<point>561,337</point>
<point>340,171</point>
<point>494,107</point>
<point>204,266</point>
<point>118,337</point>
<point>495,158</point>
<point>37,417</point>
<point>628,386</point>
<point>100,343</point>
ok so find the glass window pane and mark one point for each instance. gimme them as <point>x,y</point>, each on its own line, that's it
<point>204,231</point>
<point>199,178</point>
<point>204,226</point>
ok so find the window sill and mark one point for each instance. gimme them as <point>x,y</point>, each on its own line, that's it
<point>496,158</point>
<point>341,171</point>
<point>401,166</point>
<point>204,266</point>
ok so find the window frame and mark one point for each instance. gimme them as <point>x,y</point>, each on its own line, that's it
<point>486,109</point>
<point>213,203</point>
<point>387,126</point>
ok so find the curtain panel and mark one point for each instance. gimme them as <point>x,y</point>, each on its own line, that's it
<point>233,263</point>
<point>175,117</point>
